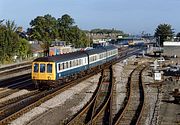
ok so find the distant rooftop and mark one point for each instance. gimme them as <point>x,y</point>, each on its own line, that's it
<point>168,43</point>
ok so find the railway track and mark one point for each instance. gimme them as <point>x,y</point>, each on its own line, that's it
<point>10,81</point>
<point>10,89</point>
<point>15,70</point>
<point>14,108</point>
<point>99,107</point>
<point>132,112</point>
<point>14,66</point>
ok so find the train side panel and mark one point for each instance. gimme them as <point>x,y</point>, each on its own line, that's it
<point>70,67</point>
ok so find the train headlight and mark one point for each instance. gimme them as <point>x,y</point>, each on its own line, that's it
<point>49,77</point>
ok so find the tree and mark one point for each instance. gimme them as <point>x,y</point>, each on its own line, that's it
<point>24,48</point>
<point>47,28</point>
<point>10,43</point>
<point>178,36</point>
<point>78,37</point>
<point>71,33</point>
<point>65,24</point>
<point>44,29</point>
<point>106,31</point>
<point>163,32</point>
<point>2,45</point>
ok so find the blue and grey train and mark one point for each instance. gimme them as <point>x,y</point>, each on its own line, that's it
<point>48,70</point>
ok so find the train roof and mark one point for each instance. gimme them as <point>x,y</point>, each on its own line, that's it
<point>110,47</point>
<point>74,55</point>
<point>62,57</point>
<point>95,51</point>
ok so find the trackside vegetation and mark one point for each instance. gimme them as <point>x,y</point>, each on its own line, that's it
<point>11,45</point>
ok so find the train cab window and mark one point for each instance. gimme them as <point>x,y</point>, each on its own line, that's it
<point>42,68</point>
<point>49,68</point>
<point>36,67</point>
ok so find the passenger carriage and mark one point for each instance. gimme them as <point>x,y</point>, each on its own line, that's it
<point>47,70</point>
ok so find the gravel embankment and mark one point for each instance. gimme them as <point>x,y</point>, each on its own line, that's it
<point>15,74</point>
<point>122,71</point>
<point>151,98</point>
<point>161,109</point>
<point>169,112</point>
<point>59,108</point>
<point>14,95</point>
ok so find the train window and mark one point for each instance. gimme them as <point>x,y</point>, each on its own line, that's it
<point>49,68</point>
<point>74,64</point>
<point>36,67</point>
<point>70,63</point>
<point>82,61</point>
<point>90,59</point>
<point>42,68</point>
<point>67,65</point>
<point>59,66</point>
<point>77,62</point>
<point>63,66</point>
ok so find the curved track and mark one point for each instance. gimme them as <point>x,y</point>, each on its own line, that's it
<point>134,106</point>
<point>97,109</point>
<point>17,107</point>
<point>12,109</point>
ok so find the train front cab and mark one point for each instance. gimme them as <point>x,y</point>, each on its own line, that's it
<point>43,72</point>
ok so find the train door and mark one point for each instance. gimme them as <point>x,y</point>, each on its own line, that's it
<point>50,71</point>
<point>42,71</point>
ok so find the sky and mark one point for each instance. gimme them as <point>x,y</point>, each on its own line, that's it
<point>130,16</point>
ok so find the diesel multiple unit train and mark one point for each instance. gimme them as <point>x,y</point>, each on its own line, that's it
<point>49,70</point>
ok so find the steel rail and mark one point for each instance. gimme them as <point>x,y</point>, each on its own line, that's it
<point>135,101</point>
<point>29,103</point>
